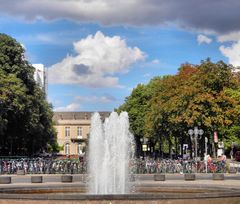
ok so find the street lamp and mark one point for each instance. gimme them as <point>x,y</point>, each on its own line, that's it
<point>195,134</point>
<point>144,142</point>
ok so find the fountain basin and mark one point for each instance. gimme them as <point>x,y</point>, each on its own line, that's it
<point>144,193</point>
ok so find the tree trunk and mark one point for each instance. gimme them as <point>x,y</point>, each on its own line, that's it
<point>170,147</point>
<point>176,147</point>
<point>138,146</point>
<point>182,147</point>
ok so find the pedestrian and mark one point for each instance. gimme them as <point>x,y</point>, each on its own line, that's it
<point>231,154</point>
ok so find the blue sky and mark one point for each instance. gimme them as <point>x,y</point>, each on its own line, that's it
<point>96,52</point>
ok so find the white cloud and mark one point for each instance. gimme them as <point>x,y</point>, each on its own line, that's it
<point>233,36</point>
<point>95,99</point>
<point>23,46</point>
<point>79,101</point>
<point>155,61</point>
<point>203,39</point>
<point>232,53</point>
<point>147,75</point>
<point>130,89</point>
<point>70,107</point>
<point>98,59</point>
<point>45,38</point>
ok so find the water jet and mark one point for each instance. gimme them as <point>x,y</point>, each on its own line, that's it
<point>111,150</point>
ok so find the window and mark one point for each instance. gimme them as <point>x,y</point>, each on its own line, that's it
<point>79,148</point>
<point>67,148</point>
<point>67,131</point>
<point>79,132</point>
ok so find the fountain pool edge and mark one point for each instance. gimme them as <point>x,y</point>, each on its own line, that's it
<point>206,194</point>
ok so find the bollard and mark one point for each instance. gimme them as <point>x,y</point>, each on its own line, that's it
<point>36,179</point>
<point>159,177</point>
<point>189,177</point>
<point>5,179</point>
<point>218,176</point>
<point>66,178</point>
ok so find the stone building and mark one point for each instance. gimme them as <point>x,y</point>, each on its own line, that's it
<point>73,130</point>
<point>40,76</point>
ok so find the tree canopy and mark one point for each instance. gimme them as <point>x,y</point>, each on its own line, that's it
<point>205,95</point>
<point>26,125</point>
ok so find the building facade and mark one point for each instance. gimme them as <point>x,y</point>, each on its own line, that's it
<point>73,130</point>
<point>40,76</point>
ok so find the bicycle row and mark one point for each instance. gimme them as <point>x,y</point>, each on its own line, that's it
<point>43,166</point>
<point>179,166</point>
<point>137,166</point>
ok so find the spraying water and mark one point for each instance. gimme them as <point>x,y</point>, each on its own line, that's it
<point>111,149</point>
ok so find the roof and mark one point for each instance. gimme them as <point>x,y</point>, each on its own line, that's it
<point>77,115</point>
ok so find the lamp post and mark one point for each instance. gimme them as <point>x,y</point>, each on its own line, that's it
<point>206,158</point>
<point>144,142</point>
<point>195,134</point>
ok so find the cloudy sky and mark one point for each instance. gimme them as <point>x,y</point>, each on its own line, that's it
<point>97,51</point>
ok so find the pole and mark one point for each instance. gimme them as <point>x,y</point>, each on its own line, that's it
<point>206,141</point>
<point>195,136</point>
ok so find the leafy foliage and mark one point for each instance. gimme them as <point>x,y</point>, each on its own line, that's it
<point>205,95</point>
<point>26,125</point>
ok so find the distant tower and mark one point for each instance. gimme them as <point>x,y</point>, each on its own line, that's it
<point>40,76</point>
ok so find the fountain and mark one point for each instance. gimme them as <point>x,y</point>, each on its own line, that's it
<point>111,151</point>
<point>111,148</point>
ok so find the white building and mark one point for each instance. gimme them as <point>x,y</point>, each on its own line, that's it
<point>40,76</point>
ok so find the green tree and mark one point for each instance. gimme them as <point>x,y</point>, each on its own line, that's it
<point>232,133</point>
<point>205,95</point>
<point>26,125</point>
<point>135,105</point>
